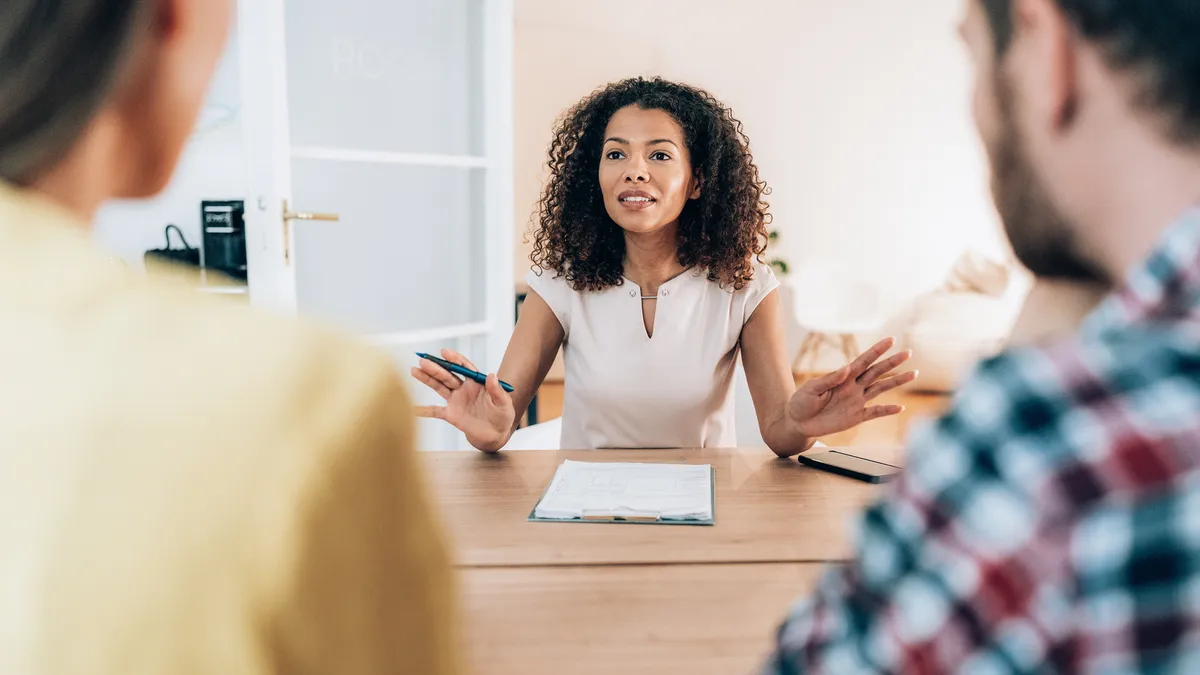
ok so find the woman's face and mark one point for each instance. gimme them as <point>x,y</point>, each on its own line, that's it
<point>645,170</point>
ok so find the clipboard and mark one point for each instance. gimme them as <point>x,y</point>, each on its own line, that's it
<point>634,518</point>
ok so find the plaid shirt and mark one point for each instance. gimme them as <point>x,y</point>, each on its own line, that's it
<point>1050,522</point>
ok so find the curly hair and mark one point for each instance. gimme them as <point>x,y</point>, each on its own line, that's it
<point>724,231</point>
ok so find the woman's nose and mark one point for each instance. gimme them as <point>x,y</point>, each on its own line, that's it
<point>637,174</point>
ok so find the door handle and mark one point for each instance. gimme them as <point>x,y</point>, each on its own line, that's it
<point>289,216</point>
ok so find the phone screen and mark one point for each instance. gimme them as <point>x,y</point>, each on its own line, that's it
<point>852,463</point>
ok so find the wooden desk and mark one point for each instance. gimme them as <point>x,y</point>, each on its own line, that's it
<point>696,619</point>
<point>767,510</point>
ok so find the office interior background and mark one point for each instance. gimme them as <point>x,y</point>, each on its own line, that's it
<point>423,128</point>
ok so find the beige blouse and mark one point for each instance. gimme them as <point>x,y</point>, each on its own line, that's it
<point>673,390</point>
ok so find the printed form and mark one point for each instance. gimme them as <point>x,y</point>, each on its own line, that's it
<point>628,491</point>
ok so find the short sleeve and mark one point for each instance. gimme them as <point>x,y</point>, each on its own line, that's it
<point>760,287</point>
<point>556,292</point>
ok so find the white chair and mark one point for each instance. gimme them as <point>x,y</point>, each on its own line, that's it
<point>831,305</point>
<point>749,435</point>
<point>541,436</point>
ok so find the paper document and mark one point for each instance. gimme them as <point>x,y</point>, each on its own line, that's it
<point>582,490</point>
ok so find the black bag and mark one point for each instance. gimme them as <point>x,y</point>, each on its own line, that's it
<point>187,256</point>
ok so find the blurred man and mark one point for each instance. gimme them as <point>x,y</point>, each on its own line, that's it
<point>185,486</point>
<point>1051,521</point>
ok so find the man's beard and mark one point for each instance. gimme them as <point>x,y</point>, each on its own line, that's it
<point>1040,236</point>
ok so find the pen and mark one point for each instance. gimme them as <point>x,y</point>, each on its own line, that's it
<point>475,375</point>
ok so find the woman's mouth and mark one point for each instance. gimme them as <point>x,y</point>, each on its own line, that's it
<point>636,200</point>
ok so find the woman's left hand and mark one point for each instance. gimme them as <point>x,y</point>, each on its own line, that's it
<point>838,401</point>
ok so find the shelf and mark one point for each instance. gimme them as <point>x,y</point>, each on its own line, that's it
<point>401,158</point>
<point>224,290</point>
<point>428,335</point>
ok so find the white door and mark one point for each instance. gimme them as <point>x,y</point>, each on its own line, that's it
<point>395,118</point>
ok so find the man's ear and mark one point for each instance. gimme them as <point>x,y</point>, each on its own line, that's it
<point>697,185</point>
<point>1053,49</point>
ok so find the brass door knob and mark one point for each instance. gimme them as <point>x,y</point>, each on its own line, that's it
<point>289,216</point>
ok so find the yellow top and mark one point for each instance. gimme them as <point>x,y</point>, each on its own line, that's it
<point>187,486</point>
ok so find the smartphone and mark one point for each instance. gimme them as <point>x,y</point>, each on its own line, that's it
<point>851,466</point>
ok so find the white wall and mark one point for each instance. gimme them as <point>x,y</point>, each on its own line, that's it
<point>858,113</point>
<point>212,167</point>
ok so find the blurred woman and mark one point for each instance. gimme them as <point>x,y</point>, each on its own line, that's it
<point>186,486</point>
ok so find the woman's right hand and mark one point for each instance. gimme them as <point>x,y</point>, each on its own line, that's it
<point>484,414</point>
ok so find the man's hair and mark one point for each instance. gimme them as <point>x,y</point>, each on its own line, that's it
<point>59,62</point>
<point>1160,39</point>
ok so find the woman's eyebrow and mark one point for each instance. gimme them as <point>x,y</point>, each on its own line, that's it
<point>657,141</point>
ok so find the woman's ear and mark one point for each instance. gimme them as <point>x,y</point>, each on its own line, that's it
<point>697,185</point>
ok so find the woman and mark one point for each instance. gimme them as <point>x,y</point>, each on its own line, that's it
<point>186,486</point>
<point>647,268</point>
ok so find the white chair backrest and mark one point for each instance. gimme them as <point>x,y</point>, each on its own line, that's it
<point>542,436</point>
<point>748,433</point>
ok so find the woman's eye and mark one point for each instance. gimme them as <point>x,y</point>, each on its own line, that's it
<point>660,156</point>
<point>614,154</point>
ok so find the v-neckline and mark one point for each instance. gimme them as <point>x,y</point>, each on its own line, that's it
<point>653,328</point>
